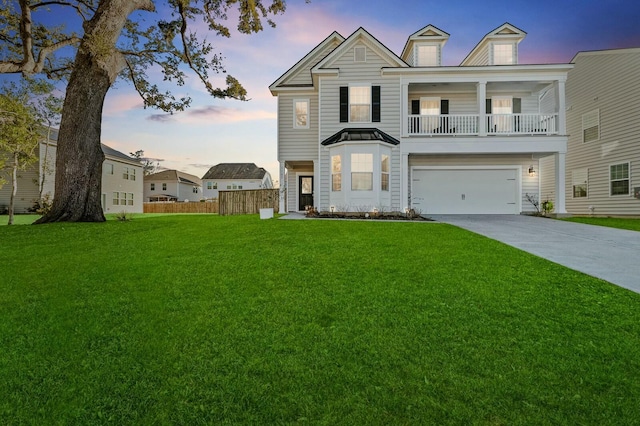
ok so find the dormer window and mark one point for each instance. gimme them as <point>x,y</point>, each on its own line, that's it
<point>503,54</point>
<point>426,55</point>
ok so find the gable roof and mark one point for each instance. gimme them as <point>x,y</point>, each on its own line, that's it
<point>505,31</point>
<point>368,134</point>
<point>174,176</point>
<point>430,33</point>
<point>235,171</point>
<point>308,61</point>
<point>360,35</point>
<point>623,50</point>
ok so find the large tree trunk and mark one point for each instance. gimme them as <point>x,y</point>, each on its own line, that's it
<point>79,154</point>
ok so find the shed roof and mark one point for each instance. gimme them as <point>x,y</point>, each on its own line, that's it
<point>369,134</point>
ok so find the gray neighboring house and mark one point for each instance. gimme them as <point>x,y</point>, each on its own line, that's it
<point>233,177</point>
<point>603,123</point>
<point>121,180</point>
<point>172,185</point>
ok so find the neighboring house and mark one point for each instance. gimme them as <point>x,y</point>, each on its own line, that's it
<point>172,185</point>
<point>603,122</point>
<point>121,181</point>
<point>361,128</point>
<point>234,176</point>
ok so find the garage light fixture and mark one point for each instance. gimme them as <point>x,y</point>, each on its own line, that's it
<point>532,171</point>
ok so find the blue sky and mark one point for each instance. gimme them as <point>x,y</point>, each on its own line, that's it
<point>215,131</point>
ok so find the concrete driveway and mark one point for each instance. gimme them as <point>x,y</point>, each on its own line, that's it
<point>607,253</point>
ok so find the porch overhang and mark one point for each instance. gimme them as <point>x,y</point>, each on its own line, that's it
<point>354,134</point>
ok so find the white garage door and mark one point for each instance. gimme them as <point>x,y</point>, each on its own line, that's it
<point>465,191</point>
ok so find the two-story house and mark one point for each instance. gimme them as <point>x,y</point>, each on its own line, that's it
<point>172,185</point>
<point>603,122</point>
<point>360,127</point>
<point>234,177</point>
<point>121,181</point>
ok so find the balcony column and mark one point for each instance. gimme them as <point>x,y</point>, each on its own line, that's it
<point>560,207</point>
<point>404,182</point>
<point>562,109</point>
<point>283,188</point>
<point>481,89</point>
<point>405,110</point>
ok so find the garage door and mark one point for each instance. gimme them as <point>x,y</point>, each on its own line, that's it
<point>465,191</point>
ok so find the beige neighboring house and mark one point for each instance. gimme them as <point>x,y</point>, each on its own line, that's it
<point>603,122</point>
<point>233,177</point>
<point>172,185</point>
<point>121,181</point>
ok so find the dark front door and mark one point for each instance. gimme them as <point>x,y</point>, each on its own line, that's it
<point>305,192</point>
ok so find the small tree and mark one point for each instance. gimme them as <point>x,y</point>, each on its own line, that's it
<point>19,138</point>
<point>149,165</point>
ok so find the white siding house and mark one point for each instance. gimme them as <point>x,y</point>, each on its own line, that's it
<point>172,185</point>
<point>234,177</point>
<point>603,122</point>
<point>121,181</point>
<point>361,128</point>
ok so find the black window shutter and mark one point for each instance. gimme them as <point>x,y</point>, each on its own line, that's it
<point>344,104</point>
<point>488,111</point>
<point>517,105</point>
<point>444,106</point>
<point>415,107</point>
<point>375,104</point>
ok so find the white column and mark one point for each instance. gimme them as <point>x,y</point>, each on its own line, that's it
<point>560,207</point>
<point>404,100</point>
<point>562,109</point>
<point>404,182</point>
<point>481,93</point>
<point>283,188</point>
<point>316,184</point>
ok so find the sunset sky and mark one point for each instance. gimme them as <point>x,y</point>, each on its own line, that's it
<point>214,131</point>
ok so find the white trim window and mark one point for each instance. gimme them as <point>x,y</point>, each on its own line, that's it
<point>591,126</point>
<point>360,54</point>
<point>361,172</point>
<point>503,54</point>
<point>153,186</point>
<point>108,168</point>
<point>384,172</point>
<point>164,186</point>
<point>619,179</point>
<point>125,173</point>
<point>336,173</point>
<point>580,183</point>
<point>209,185</point>
<point>116,198</point>
<point>130,199</point>
<point>301,113</point>
<point>426,55</point>
<point>360,104</point>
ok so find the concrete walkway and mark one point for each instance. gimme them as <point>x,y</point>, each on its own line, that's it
<point>607,253</point>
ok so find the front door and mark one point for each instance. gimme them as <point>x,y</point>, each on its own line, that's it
<point>305,192</point>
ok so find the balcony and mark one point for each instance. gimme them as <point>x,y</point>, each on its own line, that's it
<point>494,124</point>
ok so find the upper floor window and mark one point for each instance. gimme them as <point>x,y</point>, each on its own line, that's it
<point>129,173</point>
<point>301,113</point>
<point>336,173</point>
<point>503,54</point>
<point>359,104</point>
<point>361,172</point>
<point>215,185</point>
<point>209,185</point>
<point>619,179</point>
<point>426,56</point>
<point>591,126</point>
<point>153,186</point>
<point>429,106</point>
<point>164,186</point>
<point>195,189</point>
<point>108,168</point>
<point>125,173</point>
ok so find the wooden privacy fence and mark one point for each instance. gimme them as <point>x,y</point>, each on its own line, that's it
<point>247,201</point>
<point>188,207</point>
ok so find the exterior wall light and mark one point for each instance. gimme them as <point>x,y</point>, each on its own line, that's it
<point>532,171</point>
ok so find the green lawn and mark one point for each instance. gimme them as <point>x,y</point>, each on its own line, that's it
<point>611,222</point>
<point>235,320</point>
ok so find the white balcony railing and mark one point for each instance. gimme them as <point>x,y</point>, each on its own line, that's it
<point>467,125</point>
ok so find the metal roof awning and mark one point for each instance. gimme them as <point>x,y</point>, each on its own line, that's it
<point>369,134</point>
